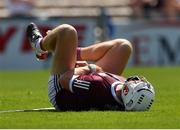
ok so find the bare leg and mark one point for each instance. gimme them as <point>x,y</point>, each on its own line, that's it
<point>62,42</point>
<point>111,56</point>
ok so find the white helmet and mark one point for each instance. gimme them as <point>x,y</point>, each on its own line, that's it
<point>137,94</point>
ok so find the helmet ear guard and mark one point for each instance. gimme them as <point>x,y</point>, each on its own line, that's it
<point>137,94</point>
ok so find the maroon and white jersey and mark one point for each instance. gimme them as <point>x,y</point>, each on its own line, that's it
<point>92,91</point>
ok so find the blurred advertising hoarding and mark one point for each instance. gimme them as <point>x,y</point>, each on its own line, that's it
<point>16,52</point>
<point>155,43</point>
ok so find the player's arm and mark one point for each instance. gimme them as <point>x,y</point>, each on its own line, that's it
<point>89,68</point>
<point>67,76</point>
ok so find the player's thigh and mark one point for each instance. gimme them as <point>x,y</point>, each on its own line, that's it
<point>95,51</point>
<point>49,41</point>
<point>65,50</point>
<point>116,58</point>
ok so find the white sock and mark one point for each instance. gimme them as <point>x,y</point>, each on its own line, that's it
<point>38,46</point>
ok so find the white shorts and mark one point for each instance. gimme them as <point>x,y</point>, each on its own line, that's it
<point>53,88</point>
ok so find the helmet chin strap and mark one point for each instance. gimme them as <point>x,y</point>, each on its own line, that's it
<point>118,91</point>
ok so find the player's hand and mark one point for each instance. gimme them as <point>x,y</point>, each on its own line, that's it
<point>95,68</point>
<point>82,70</point>
<point>86,69</point>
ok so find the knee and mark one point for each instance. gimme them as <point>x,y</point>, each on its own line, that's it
<point>124,45</point>
<point>66,30</point>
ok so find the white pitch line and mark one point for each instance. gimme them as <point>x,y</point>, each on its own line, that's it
<point>30,110</point>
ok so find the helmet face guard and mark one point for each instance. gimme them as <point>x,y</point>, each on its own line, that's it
<point>137,94</point>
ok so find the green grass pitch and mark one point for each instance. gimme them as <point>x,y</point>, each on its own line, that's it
<point>28,89</point>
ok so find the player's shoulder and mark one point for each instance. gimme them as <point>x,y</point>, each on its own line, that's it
<point>114,76</point>
<point>121,78</point>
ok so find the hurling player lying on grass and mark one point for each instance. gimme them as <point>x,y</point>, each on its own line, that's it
<point>75,85</point>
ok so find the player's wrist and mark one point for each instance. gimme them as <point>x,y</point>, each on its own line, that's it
<point>92,67</point>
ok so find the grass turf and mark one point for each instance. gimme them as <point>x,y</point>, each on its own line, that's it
<point>28,89</point>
